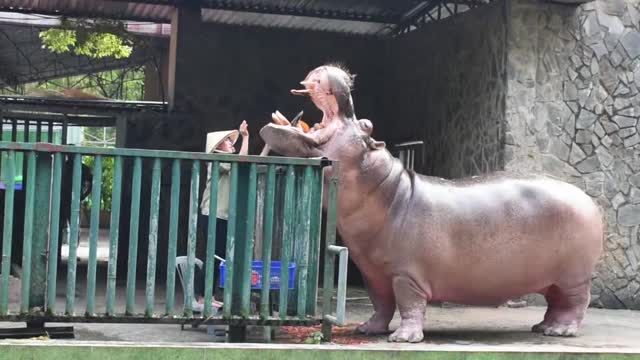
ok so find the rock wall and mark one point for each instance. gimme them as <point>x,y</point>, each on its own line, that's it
<point>445,85</point>
<point>572,111</point>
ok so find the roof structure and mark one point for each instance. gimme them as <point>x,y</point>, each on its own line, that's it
<point>365,17</point>
<point>23,60</point>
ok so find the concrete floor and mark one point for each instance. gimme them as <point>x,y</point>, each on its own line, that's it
<point>470,327</point>
<point>500,329</point>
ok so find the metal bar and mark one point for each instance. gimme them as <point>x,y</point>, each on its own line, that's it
<point>73,234</point>
<point>138,319</point>
<point>153,235</point>
<point>114,234</point>
<point>28,231</point>
<point>39,131</point>
<point>94,227</point>
<point>340,317</point>
<point>14,130</point>
<point>50,132</point>
<point>133,236</point>
<point>65,130</point>
<point>288,232</point>
<point>25,135</point>
<point>192,237</point>
<point>54,233</point>
<point>249,226</point>
<point>303,241</point>
<point>211,238</point>
<point>267,241</point>
<point>231,241</point>
<point>314,242</point>
<point>40,240</point>
<point>1,138</point>
<point>34,332</point>
<point>7,233</point>
<point>293,10</point>
<point>330,240</point>
<point>296,244</point>
<point>173,235</point>
<point>39,147</point>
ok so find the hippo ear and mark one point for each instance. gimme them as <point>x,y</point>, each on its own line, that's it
<point>380,145</point>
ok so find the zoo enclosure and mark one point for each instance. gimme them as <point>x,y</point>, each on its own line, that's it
<point>290,209</point>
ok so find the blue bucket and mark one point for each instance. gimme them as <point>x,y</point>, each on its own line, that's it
<point>257,272</point>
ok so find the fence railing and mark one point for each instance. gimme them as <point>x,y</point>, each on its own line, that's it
<point>410,153</point>
<point>275,200</point>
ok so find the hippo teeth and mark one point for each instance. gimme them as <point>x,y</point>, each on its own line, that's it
<point>300,92</point>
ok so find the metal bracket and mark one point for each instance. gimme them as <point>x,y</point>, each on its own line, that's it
<point>340,318</point>
<point>37,330</point>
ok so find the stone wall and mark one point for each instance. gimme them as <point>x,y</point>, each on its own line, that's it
<point>445,85</point>
<point>572,112</point>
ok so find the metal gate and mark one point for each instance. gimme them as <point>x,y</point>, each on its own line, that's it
<point>257,186</point>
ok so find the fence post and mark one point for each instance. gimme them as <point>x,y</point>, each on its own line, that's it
<point>39,246</point>
<point>329,261</point>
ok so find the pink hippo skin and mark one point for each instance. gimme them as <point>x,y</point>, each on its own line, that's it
<point>476,241</point>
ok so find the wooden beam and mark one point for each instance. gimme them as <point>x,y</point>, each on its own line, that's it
<point>185,23</point>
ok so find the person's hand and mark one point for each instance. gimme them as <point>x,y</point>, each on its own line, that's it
<point>280,119</point>
<point>244,129</point>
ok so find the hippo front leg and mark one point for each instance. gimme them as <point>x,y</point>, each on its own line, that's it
<point>412,306</point>
<point>384,306</point>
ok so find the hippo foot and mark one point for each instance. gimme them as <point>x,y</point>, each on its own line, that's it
<point>373,327</point>
<point>412,334</point>
<point>556,329</point>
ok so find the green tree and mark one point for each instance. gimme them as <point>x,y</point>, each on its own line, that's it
<point>107,182</point>
<point>93,38</point>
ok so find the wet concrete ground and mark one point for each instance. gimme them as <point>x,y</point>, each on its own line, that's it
<point>469,327</point>
<point>463,326</point>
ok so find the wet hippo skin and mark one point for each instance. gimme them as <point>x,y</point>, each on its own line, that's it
<point>415,238</point>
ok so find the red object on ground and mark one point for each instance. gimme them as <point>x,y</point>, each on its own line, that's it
<point>341,335</point>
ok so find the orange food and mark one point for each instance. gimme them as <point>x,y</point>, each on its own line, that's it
<point>304,126</point>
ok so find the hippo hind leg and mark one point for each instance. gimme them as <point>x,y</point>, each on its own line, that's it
<point>384,306</point>
<point>566,307</point>
<point>412,306</point>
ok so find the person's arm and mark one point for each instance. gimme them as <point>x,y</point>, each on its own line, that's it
<point>265,150</point>
<point>244,132</point>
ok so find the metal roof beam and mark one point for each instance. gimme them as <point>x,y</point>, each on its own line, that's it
<point>259,8</point>
<point>248,7</point>
<point>415,15</point>
<point>294,11</point>
<point>84,14</point>
<point>422,13</point>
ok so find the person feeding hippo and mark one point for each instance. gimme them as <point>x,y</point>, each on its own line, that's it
<point>416,238</point>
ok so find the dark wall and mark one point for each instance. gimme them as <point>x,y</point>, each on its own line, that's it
<point>446,85</point>
<point>229,74</point>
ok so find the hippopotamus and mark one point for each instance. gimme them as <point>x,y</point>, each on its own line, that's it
<point>416,239</point>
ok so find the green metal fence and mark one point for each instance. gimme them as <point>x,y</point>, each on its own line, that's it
<point>278,200</point>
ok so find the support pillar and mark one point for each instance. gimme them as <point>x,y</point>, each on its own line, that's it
<point>185,28</point>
